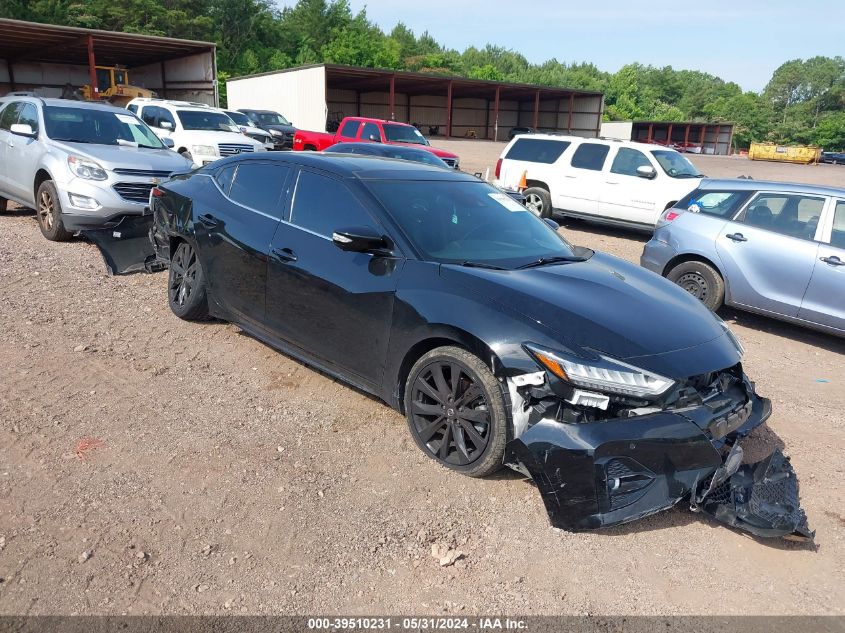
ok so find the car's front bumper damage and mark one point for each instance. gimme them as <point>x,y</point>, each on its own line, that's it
<point>126,245</point>
<point>604,472</point>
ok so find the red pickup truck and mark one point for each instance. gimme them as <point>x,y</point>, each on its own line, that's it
<point>355,129</point>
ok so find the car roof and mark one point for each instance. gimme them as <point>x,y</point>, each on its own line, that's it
<point>358,166</point>
<point>382,148</point>
<point>64,103</point>
<point>741,184</point>
<point>646,147</point>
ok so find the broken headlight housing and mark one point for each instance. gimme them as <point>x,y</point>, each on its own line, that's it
<point>601,373</point>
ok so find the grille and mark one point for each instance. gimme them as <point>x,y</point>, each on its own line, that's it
<point>230,149</point>
<point>450,161</point>
<point>134,191</point>
<point>260,138</point>
<point>143,173</point>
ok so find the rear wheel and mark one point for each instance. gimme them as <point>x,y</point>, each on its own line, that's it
<point>702,281</point>
<point>186,291</point>
<point>49,209</point>
<point>538,201</point>
<point>456,411</point>
<point>4,204</point>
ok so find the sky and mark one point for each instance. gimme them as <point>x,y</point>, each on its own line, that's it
<point>738,40</point>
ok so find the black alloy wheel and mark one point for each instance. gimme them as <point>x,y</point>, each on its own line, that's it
<point>455,411</point>
<point>186,285</point>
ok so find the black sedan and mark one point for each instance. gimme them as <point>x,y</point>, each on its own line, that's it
<point>617,392</point>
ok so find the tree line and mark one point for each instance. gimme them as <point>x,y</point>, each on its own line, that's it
<point>804,101</point>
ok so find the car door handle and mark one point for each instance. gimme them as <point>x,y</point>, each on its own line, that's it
<point>736,237</point>
<point>209,220</point>
<point>284,254</point>
<point>833,260</point>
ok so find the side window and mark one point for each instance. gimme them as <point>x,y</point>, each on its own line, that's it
<point>259,186</point>
<point>148,116</point>
<point>10,115</point>
<point>165,115</point>
<point>627,161</point>
<point>323,205</point>
<point>224,177</point>
<point>29,116</point>
<point>837,236</point>
<point>724,204</point>
<point>590,156</point>
<point>788,214</point>
<point>132,107</point>
<point>350,129</point>
<point>370,132</point>
<point>537,150</point>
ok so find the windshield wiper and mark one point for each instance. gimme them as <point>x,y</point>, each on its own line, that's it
<point>73,140</point>
<point>471,264</point>
<point>689,176</point>
<point>558,259</point>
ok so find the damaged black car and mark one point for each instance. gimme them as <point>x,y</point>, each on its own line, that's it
<point>613,389</point>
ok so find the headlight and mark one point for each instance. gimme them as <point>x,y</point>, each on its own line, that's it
<point>277,133</point>
<point>85,168</point>
<point>204,150</point>
<point>601,373</point>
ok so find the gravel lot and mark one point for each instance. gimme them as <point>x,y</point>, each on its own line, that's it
<point>148,465</point>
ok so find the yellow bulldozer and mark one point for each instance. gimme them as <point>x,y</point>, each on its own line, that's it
<point>113,86</point>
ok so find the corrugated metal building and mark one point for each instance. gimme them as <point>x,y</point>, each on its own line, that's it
<point>703,138</point>
<point>312,96</point>
<point>44,58</point>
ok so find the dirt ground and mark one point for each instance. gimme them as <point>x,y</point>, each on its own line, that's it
<point>148,465</point>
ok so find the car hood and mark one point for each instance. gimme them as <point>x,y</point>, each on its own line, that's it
<point>440,153</point>
<point>113,157</point>
<point>287,129</point>
<point>607,305</point>
<point>213,137</point>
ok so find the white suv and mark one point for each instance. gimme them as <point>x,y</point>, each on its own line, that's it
<point>616,182</point>
<point>199,132</point>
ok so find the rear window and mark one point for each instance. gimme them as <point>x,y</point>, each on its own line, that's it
<point>537,150</point>
<point>723,204</point>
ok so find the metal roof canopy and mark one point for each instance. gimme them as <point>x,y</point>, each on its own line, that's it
<point>34,42</point>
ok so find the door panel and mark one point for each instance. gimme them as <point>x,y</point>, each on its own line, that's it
<point>583,179</point>
<point>767,265</point>
<point>334,304</point>
<point>824,301</point>
<point>8,117</point>
<point>22,156</point>
<point>234,234</point>
<point>624,194</point>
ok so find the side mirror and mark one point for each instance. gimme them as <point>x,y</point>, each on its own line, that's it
<point>646,171</point>
<point>165,125</point>
<point>23,129</point>
<point>361,239</point>
<point>168,143</point>
<point>551,223</point>
<point>374,138</point>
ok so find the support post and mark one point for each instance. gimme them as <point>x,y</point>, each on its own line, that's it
<point>701,138</point>
<point>536,108</point>
<point>571,108</point>
<point>731,141</point>
<point>10,65</point>
<point>92,67</point>
<point>650,131</point>
<point>357,103</point>
<point>686,135</point>
<point>669,135</point>
<point>449,110</point>
<point>496,115</point>
<point>164,82</point>
<point>392,101</point>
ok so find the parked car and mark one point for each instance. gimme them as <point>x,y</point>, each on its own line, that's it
<point>516,131</point>
<point>388,151</point>
<point>278,126</point>
<point>614,182</point>
<point>618,392</point>
<point>768,247</point>
<point>360,129</point>
<point>246,127</point>
<point>836,158</point>
<point>200,133</point>
<point>79,165</point>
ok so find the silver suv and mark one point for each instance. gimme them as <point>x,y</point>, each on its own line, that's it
<point>80,165</point>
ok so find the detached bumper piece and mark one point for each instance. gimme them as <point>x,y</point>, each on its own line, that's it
<point>126,247</point>
<point>760,498</point>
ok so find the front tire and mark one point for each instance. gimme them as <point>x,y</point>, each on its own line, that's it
<point>4,204</point>
<point>49,210</point>
<point>186,289</point>
<point>702,281</point>
<point>456,411</point>
<point>538,201</point>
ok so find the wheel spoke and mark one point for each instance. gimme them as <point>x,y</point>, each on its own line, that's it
<point>428,409</point>
<point>428,390</point>
<point>474,415</point>
<point>478,441</point>
<point>472,392</point>
<point>440,381</point>
<point>460,443</point>
<point>443,451</point>
<point>455,379</point>
<point>428,432</point>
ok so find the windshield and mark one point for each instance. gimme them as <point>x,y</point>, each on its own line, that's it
<point>675,164</point>
<point>468,222</point>
<point>202,120</point>
<point>271,118</point>
<point>100,127</point>
<point>404,134</point>
<point>239,117</point>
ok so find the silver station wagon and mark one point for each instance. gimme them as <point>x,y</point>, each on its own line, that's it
<point>773,248</point>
